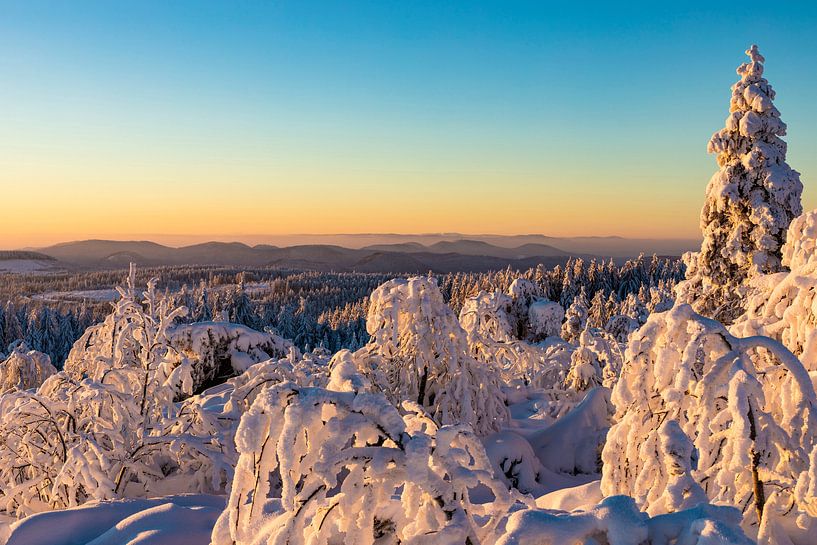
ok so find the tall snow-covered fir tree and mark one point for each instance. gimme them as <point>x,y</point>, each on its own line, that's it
<point>750,201</point>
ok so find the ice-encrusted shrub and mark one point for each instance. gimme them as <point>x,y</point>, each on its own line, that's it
<point>784,305</point>
<point>749,203</point>
<point>747,405</point>
<point>24,369</point>
<point>487,324</point>
<point>114,435</point>
<point>487,316</point>
<point>323,467</point>
<point>418,351</point>
<point>351,472</point>
<point>212,351</point>
<point>70,442</point>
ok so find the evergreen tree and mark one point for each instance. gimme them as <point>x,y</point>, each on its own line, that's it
<point>749,203</point>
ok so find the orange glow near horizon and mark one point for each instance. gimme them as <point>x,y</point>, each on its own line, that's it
<point>177,213</point>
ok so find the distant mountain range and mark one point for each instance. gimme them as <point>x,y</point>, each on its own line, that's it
<point>390,253</point>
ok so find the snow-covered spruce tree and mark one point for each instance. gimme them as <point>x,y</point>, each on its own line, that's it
<point>784,305</point>
<point>575,318</point>
<point>585,368</point>
<point>750,201</point>
<point>544,320</point>
<point>522,293</point>
<point>418,351</point>
<point>747,404</point>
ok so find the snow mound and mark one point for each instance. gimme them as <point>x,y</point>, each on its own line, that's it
<point>176,520</point>
<point>572,445</point>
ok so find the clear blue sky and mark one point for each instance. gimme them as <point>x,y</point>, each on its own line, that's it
<point>277,117</point>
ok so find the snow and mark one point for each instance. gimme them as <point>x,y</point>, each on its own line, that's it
<point>572,444</point>
<point>176,520</point>
<point>572,498</point>
<point>22,266</point>
<point>79,295</point>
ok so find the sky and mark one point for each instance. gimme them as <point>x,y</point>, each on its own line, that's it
<point>227,119</point>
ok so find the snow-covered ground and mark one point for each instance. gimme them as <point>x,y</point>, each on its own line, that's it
<point>172,520</point>
<point>79,295</point>
<point>22,266</point>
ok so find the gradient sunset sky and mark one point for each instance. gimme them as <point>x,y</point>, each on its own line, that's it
<point>131,119</point>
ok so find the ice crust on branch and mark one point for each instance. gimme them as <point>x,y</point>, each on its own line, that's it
<point>749,203</point>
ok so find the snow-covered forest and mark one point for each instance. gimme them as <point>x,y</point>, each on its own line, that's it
<point>49,312</point>
<point>660,401</point>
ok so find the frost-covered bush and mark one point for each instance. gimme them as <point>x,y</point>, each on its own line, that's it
<point>24,369</point>
<point>487,316</point>
<point>544,320</point>
<point>487,324</point>
<point>520,314</point>
<point>115,434</point>
<point>327,467</point>
<point>418,351</point>
<point>215,350</point>
<point>71,442</point>
<point>747,405</point>
<point>750,201</point>
<point>352,472</point>
<point>784,305</point>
